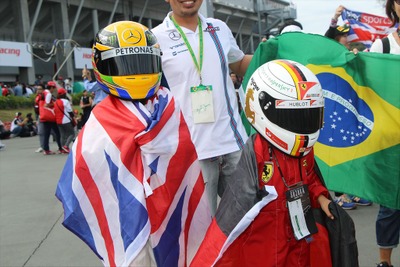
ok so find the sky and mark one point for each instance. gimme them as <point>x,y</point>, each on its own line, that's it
<point>315,15</point>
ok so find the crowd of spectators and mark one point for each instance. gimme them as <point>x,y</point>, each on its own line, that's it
<point>17,89</point>
<point>21,89</point>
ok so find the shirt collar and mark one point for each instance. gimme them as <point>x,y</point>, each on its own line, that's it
<point>171,27</point>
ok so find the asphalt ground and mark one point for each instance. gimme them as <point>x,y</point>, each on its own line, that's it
<point>31,233</point>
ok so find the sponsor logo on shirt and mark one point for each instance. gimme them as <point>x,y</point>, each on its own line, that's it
<point>175,36</point>
<point>211,29</point>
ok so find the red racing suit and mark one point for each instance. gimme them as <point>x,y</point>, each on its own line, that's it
<point>269,240</point>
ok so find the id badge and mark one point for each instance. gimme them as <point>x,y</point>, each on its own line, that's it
<point>202,104</point>
<point>300,211</point>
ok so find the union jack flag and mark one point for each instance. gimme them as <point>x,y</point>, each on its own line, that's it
<point>132,178</point>
<point>366,28</point>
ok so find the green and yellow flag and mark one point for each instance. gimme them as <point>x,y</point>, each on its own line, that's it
<point>358,150</point>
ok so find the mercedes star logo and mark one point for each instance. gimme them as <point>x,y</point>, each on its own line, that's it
<point>174,36</point>
<point>131,36</point>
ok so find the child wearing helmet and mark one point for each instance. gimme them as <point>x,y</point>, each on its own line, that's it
<point>275,186</point>
<point>132,188</point>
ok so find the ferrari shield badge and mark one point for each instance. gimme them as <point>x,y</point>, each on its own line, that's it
<point>268,171</point>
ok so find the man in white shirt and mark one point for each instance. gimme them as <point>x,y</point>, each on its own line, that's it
<point>198,54</point>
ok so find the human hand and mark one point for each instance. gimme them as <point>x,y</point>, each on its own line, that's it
<point>85,73</point>
<point>338,12</point>
<point>49,105</point>
<point>324,203</point>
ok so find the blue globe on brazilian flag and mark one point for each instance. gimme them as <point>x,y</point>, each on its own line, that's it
<point>358,150</point>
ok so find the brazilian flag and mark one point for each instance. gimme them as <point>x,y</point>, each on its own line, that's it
<point>358,150</point>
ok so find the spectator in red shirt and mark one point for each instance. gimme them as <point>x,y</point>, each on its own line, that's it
<point>4,91</point>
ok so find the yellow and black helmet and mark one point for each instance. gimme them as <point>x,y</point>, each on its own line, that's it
<point>127,60</point>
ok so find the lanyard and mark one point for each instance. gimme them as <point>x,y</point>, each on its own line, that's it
<point>198,64</point>
<point>272,156</point>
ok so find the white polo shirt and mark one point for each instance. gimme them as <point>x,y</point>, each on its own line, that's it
<point>377,46</point>
<point>227,133</point>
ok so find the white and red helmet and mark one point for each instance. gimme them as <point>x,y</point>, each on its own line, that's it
<point>285,104</point>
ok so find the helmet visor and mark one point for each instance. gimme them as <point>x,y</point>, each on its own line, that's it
<point>129,61</point>
<point>298,116</point>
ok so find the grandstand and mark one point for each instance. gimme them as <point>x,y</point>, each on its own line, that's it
<point>45,32</point>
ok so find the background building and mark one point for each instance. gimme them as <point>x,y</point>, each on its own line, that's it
<point>38,37</point>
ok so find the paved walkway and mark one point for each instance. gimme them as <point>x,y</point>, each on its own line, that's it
<point>31,233</point>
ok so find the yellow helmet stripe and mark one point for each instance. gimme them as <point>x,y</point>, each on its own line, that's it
<point>299,143</point>
<point>296,75</point>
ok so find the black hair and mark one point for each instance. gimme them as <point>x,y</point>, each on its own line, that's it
<point>42,85</point>
<point>391,13</point>
<point>290,22</point>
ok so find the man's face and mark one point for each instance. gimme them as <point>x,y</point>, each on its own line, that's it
<point>184,8</point>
